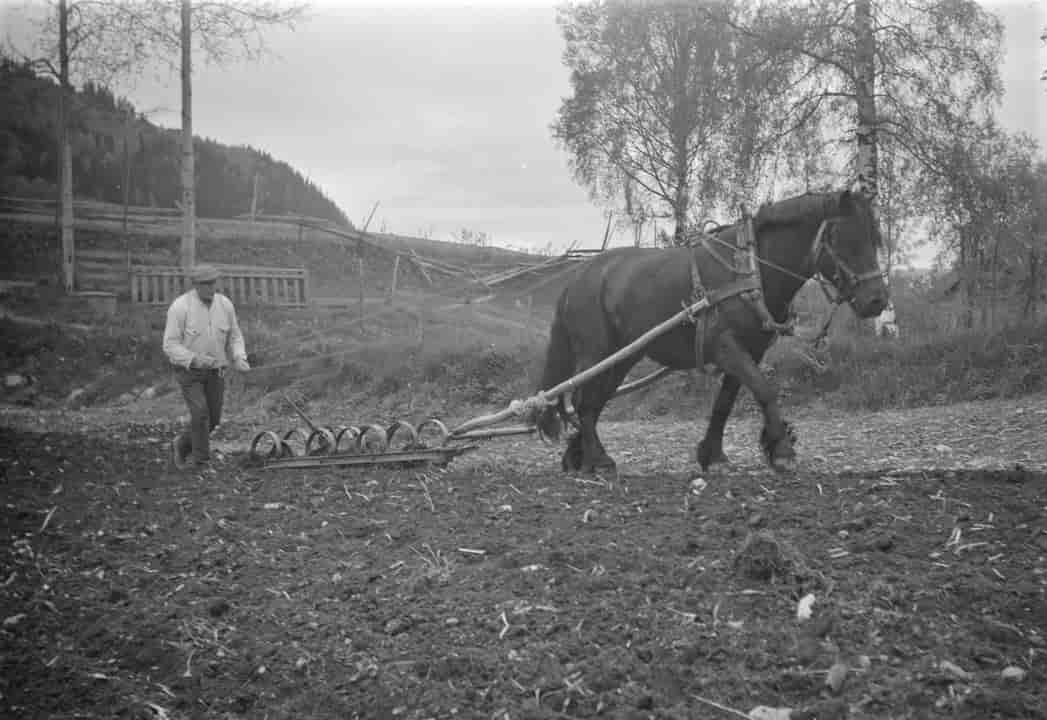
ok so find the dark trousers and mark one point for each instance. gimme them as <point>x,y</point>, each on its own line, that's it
<point>203,391</point>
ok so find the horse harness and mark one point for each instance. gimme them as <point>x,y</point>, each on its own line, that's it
<point>748,283</point>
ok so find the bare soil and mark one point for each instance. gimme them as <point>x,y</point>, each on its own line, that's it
<point>500,588</point>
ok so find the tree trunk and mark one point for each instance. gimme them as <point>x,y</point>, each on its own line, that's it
<point>865,89</point>
<point>1032,292</point>
<point>680,133</point>
<point>979,282</point>
<point>188,169</point>
<point>127,192</point>
<point>994,273</point>
<point>65,181</point>
<point>967,279</point>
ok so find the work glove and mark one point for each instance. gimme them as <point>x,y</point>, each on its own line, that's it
<point>241,364</point>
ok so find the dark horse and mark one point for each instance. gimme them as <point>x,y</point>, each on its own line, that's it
<point>622,293</point>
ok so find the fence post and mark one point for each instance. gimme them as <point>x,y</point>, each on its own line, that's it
<point>360,270</point>
<point>392,283</point>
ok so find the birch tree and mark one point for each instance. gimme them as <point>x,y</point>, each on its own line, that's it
<point>668,113</point>
<point>900,69</point>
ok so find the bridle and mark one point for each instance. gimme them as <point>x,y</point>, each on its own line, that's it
<point>844,280</point>
<point>842,273</point>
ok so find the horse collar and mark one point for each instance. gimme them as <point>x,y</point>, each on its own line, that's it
<point>747,281</point>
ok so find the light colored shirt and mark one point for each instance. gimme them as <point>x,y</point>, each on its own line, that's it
<point>195,328</point>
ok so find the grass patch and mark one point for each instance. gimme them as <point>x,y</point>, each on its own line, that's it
<point>866,372</point>
<point>486,360</point>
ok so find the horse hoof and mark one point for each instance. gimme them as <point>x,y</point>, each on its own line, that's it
<point>778,452</point>
<point>784,465</point>
<point>604,471</point>
<point>571,460</point>
<point>711,463</point>
<point>706,458</point>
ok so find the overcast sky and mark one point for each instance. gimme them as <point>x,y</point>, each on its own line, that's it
<point>441,111</point>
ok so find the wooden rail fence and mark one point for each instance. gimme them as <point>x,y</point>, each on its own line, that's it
<point>107,270</point>
<point>243,284</point>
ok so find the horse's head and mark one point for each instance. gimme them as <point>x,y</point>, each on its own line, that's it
<point>846,253</point>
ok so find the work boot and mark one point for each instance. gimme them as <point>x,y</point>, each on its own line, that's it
<point>180,456</point>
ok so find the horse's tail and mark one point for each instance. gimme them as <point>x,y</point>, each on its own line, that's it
<point>559,365</point>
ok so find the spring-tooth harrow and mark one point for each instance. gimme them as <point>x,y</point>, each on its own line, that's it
<point>369,444</point>
<point>399,443</point>
<point>431,441</point>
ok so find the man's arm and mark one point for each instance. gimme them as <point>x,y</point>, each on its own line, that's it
<point>174,349</point>
<point>237,349</point>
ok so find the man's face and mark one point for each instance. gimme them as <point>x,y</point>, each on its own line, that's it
<point>205,289</point>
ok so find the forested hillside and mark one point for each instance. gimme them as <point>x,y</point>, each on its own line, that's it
<point>111,140</point>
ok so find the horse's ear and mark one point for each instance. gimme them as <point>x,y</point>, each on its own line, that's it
<point>846,201</point>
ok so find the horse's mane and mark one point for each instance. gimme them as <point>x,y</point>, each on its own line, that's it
<point>807,207</point>
<point>796,209</point>
<point>818,206</point>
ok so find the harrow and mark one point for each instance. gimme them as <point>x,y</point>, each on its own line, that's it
<point>399,443</point>
<point>402,443</point>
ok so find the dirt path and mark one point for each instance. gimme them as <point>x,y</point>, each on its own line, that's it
<point>499,588</point>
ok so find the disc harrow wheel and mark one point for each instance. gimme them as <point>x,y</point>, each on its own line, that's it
<point>320,442</point>
<point>266,445</point>
<point>288,448</point>
<point>404,432</point>
<point>372,440</point>
<point>350,435</point>
<point>432,428</point>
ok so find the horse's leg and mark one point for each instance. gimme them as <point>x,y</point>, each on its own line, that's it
<point>585,451</point>
<point>776,439</point>
<point>710,448</point>
<point>572,455</point>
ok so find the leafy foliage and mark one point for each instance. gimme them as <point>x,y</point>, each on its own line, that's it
<point>668,111</point>
<point>993,207</point>
<point>935,76</point>
<point>116,39</point>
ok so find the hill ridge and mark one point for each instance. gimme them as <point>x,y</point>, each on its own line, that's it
<point>111,140</point>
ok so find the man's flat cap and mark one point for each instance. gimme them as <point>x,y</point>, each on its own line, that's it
<point>204,273</point>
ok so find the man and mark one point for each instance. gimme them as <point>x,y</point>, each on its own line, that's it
<point>202,339</point>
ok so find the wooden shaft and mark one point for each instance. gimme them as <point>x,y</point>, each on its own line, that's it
<point>301,413</point>
<point>642,382</point>
<point>571,383</point>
